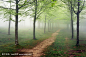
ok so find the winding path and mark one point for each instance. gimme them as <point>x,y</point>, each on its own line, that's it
<point>37,50</point>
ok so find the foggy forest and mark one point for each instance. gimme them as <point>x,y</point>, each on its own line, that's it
<point>42,28</point>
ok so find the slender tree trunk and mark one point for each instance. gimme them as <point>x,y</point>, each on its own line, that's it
<point>77,29</point>
<point>45,25</point>
<point>34,20</point>
<point>57,24</point>
<point>72,30</point>
<point>16,24</point>
<point>9,21</point>
<point>52,26</point>
<point>48,26</point>
<point>72,20</point>
<point>77,44</point>
<point>34,29</point>
<point>9,25</point>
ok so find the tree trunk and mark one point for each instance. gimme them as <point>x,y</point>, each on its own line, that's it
<point>45,25</point>
<point>77,44</point>
<point>48,26</point>
<point>16,24</point>
<point>34,20</point>
<point>34,28</point>
<point>72,20</point>
<point>52,26</point>
<point>9,21</point>
<point>9,25</point>
<point>77,29</point>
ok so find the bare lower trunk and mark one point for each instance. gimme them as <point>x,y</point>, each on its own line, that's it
<point>48,26</point>
<point>9,27</point>
<point>34,29</point>
<point>77,43</point>
<point>34,20</point>
<point>16,24</point>
<point>77,29</point>
<point>45,25</point>
<point>9,21</point>
<point>72,20</point>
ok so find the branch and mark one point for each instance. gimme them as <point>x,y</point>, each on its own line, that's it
<point>24,4</point>
<point>9,1</point>
<point>43,6</point>
<point>74,10</point>
<point>6,8</point>
<point>41,13</point>
<point>82,6</point>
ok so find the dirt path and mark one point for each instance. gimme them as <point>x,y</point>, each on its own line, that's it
<point>37,51</point>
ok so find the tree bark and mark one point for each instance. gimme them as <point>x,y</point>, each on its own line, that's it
<point>77,44</point>
<point>77,29</point>
<point>34,28</point>
<point>45,25</point>
<point>72,20</point>
<point>9,21</point>
<point>16,24</point>
<point>52,26</point>
<point>34,20</point>
<point>9,25</point>
<point>48,26</point>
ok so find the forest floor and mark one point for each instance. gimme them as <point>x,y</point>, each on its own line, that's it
<point>38,50</point>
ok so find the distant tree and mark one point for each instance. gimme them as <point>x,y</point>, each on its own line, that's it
<point>9,20</point>
<point>69,5</point>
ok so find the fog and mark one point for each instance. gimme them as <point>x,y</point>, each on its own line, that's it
<point>28,22</point>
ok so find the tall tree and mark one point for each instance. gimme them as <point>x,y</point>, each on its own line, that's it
<point>80,7</point>
<point>45,24</point>
<point>72,20</point>
<point>34,19</point>
<point>69,5</point>
<point>16,24</point>
<point>9,20</point>
<point>39,9</point>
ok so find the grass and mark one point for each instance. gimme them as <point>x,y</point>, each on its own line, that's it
<point>65,47</point>
<point>7,42</point>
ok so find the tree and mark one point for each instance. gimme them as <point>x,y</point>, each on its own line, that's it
<point>9,20</point>
<point>79,9</point>
<point>45,24</point>
<point>69,5</point>
<point>38,11</point>
<point>18,6</point>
